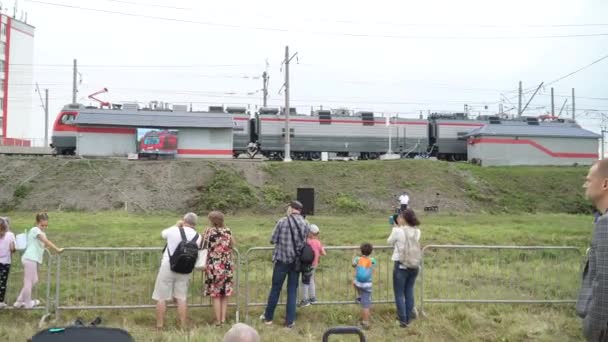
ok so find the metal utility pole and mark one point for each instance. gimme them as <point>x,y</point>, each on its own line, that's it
<point>287,157</point>
<point>46,117</point>
<point>519,111</point>
<point>74,84</point>
<point>265,89</point>
<point>603,142</point>
<point>573,106</point>
<point>390,136</point>
<point>45,106</point>
<point>536,91</point>
<point>552,103</point>
<point>563,106</point>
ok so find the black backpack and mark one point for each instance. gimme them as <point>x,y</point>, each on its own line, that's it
<point>185,254</point>
<point>306,255</point>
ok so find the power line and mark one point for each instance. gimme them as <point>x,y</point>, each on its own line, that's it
<point>146,5</point>
<point>354,22</point>
<point>342,34</point>
<point>134,66</point>
<point>579,70</point>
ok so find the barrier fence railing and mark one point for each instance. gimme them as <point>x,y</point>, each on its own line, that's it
<point>120,278</point>
<point>42,291</point>
<point>333,277</point>
<point>123,278</point>
<point>500,274</point>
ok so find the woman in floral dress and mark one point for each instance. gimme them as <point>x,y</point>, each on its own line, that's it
<point>219,270</point>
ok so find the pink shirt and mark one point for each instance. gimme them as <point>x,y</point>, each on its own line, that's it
<point>317,247</point>
<point>5,251</point>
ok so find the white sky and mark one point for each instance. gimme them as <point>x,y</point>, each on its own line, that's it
<point>387,56</point>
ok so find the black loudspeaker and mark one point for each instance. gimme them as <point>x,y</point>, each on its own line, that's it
<point>306,196</point>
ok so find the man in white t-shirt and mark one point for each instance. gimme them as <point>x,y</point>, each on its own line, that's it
<point>171,285</point>
<point>404,200</point>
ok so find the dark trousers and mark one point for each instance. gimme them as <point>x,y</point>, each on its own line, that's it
<point>4,270</point>
<point>279,273</point>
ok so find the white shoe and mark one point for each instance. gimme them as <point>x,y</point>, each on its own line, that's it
<point>3,305</point>
<point>34,303</point>
<point>18,305</point>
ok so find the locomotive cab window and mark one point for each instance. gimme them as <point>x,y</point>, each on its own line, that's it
<point>368,119</point>
<point>68,119</point>
<point>325,118</point>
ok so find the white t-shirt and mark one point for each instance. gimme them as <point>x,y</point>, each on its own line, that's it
<point>397,239</point>
<point>173,238</point>
<point>404,199</point>
<point>5,247</point>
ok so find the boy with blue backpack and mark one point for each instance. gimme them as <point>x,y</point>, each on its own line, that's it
<point>364,267</point>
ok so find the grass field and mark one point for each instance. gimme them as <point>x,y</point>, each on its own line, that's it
<point>475,275</point>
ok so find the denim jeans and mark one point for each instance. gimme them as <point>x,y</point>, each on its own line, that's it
<point>279,273</point>
<point>403,287</point>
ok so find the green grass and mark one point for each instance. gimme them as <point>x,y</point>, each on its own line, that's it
<point>457,274</point>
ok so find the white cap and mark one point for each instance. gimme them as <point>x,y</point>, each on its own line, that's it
<point>314,229</point>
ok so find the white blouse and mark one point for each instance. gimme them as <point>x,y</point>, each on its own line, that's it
<point>397,239</point>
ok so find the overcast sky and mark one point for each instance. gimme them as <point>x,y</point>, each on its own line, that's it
<point>386,56</point>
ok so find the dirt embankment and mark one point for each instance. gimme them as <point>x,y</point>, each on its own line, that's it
<point>37,183</point>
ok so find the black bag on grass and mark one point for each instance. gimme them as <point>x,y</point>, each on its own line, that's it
<point>79,334</point>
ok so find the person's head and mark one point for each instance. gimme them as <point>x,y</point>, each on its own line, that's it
<point>4,226</point>
<point>596,185</point>
<point>241,332</point>
<point>367,249</point>
<point>314,231</point>
<point>294,207</point>
<point>216,219</point>
<point>42,220</point>
<point>408,216</point>
<point>190,220</point>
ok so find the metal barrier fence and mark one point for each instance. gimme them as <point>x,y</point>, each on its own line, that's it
<point>499,274</point>
<point>333,277</point>
<point>42,291</point>
<point>123,278</point>
<point>119,278</point>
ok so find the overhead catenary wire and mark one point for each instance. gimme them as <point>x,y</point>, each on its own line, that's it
<point>342,34</point>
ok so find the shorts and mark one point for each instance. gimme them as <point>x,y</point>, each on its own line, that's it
<point>170,285</point>
<point>365,295</point>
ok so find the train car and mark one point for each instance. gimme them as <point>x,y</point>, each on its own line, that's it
<point>360,135</point>
<point>63,138</point>
<point>242,133</point>
<point>447,135</point>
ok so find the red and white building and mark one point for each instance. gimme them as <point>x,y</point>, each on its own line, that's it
<point>17,121</point>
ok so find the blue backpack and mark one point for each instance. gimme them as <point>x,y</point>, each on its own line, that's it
<point>364,269</point>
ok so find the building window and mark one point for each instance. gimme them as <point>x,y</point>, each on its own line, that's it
<point>3,30</point>
<point>1,104</point>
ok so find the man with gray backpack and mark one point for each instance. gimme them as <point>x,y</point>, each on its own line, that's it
<point>407,256</point>
<point>178,260</point>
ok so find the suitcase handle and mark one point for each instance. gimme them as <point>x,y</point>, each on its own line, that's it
<point>344,331</point>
